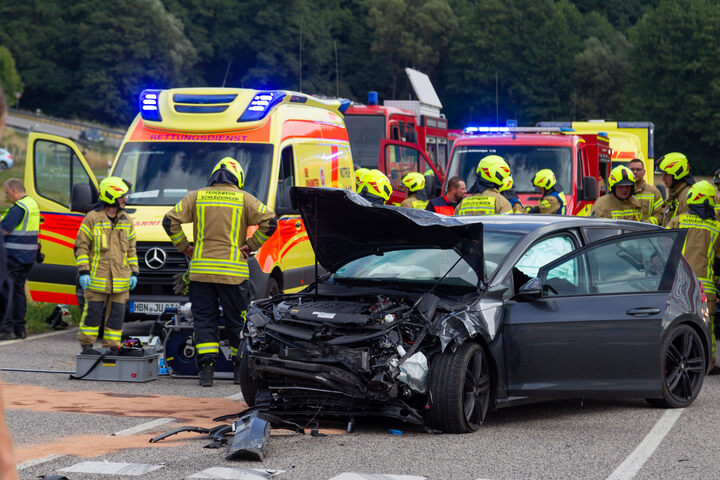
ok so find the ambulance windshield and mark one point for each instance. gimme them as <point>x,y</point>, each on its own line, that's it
<point>162,173</point>
<point>524,162</point>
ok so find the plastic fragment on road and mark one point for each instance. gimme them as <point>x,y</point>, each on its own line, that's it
<point>225,473</point>
<point>252,435</point>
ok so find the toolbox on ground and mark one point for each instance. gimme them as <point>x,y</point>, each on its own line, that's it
<point>117,368</point>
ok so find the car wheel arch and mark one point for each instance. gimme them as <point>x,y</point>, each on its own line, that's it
<point>695,324</point>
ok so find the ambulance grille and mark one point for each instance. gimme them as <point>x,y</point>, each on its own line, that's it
<point>158,281</point>
<point>196,103</point>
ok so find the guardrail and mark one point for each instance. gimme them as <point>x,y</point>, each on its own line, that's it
<point>109,133</point>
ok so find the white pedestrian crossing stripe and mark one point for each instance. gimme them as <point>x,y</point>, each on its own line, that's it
<point>374,476</point>
<point>110,468</point>
<point>224,473</point>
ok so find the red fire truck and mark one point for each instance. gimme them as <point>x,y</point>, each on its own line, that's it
<point>581,162</point>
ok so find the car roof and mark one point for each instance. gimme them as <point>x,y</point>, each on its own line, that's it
<point>530,223</point>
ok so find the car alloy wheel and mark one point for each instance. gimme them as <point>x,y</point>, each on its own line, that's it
<point>683,367</point>
<point>460,389</point>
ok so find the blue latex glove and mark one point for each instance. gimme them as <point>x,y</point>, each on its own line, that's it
<point>133,282</point>
<point>84,281</point>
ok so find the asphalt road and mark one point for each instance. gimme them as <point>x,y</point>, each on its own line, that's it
<point>566,439</point>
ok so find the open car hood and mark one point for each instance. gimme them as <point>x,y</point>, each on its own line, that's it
<point>343,226</point>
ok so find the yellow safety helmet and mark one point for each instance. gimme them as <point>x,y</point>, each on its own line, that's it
<point>545,178</point>
<point>414,181</point>
<point>700,193</point>
<point>112,188</point>
<point>233,167</point>
<point>359,173</point>
<point>621,175</point>
<point>493,168</point>
<point>507,184</point>
<point>374,182</point>
<point>675,164</point>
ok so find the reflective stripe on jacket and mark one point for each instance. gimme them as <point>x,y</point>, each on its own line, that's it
<point>489,202</point>
<point>632,208</point>
<point>412,202</point>
<point>553,203</point>
<point>220,215</point>
<point>22,242</point>
<point>676,203</point>
<point>107,251</point>
<point>701,246</point>
<point>652,195</point>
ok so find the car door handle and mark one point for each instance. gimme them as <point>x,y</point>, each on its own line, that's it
<point>643,311</point>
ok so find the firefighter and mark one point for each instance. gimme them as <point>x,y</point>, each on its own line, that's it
<point>359,172</point>
<point>415,183</point>
<point>621,203</point>
<point>107,264</point>
<point>445,204</point>
<point>484,198</point>
<point>218,272</point>
<point>702,243</point>
<point>716,182</point>
<point>677,179</point>
<point>375,187</point>
<point>21,226</point>
<point>509,193</point>
<point>645,191</point>
<point>553,200</point>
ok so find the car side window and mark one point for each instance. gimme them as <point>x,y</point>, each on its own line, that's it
<point>632,265</point>
<point>595,234</point>
<point>544,252</point>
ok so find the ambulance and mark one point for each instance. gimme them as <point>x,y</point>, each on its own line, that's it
<point>281,139</point>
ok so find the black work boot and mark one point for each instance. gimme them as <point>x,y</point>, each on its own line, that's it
<point>207,370</point>
<point>20,333</point>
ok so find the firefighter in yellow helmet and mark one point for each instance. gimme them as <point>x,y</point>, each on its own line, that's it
<point>375,187</point>
<point>702,243</point>
<point>484,198</point>
<point>358,175</point>
<point>716,182</point>
<point>509,193</point>
<point>620,203</point>
<point>107,264</point>
<point>415,183</point>
<point>221,214</point>
<point>553,199</point>
<point>677,179</point>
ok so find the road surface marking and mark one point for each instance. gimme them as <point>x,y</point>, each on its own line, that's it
<point>112,468</point>
<point>143,427</point>
<point>38,461</point>
<point>238,397</point>
<point>35,337</point>
<point>632,464</point>
<point>225,473</point>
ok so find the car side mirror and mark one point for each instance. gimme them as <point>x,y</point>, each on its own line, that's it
<point>589,189</point>
<point>531,289</point>
<point>283,205</point>
<point>83,197</point>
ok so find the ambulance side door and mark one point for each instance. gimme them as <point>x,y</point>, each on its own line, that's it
<point>53,168</point>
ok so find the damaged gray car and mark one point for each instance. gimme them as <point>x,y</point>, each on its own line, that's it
<point>437,320</point>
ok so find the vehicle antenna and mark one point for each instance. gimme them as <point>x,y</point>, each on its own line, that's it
<point>226,73</point>
<point>302,19</point>
<point>497,108</point>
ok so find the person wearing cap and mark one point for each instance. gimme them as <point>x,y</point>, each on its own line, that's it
<point>702,242</point>
<point>107,265</point>
<point>484,198</point>
<point>621,203</point>
<point>221,214</point>
<point>553,199</point>
<point>375,187</point>
<point>415,183</point>
<point>677,179</point>
<point>645,191</point>
<point>509,193</point>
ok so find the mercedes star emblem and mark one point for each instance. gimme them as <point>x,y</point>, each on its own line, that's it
<point>155,258</point>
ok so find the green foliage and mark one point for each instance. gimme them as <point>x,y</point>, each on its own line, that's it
<point>675,79</point>
<point>9,77</point>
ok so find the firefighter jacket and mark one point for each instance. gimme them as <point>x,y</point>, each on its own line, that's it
<point>106,250</point>
<point>632,208</point>
<point>441,205</point>
<point>655,200</point>
<point>701,246</point>
<point>489,202</point>
<point>676,203</point>
<point>22,223</point>
<point>717,205</point>
<point>413,202</point>
<point>553,203</point>
<point>220,214</point>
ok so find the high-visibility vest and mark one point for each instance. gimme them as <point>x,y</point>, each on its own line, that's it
<point>699,247</point>
<point>22,243</point>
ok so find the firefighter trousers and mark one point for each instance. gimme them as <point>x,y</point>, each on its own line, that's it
<point>96,304</point>
<point>206,300</point>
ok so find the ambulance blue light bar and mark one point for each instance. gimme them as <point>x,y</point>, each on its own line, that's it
<point>149,106</point>
<point>481,130</point>
<point>260,105</point>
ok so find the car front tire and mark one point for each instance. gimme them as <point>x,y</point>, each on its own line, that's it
<point>460,389</point>
<point>682,362</point>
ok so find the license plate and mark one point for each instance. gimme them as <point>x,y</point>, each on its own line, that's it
<point>150,307</point>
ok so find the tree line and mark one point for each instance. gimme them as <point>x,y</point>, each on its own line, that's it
<point>490,60</point>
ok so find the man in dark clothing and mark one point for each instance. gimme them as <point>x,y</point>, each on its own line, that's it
<point>21,226</point>
<point>446,204</point>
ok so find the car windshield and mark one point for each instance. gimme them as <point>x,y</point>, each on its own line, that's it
<point>428,265</point>
<point>162,173</point>
<point>524,163</point>
<point>365,133</point>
